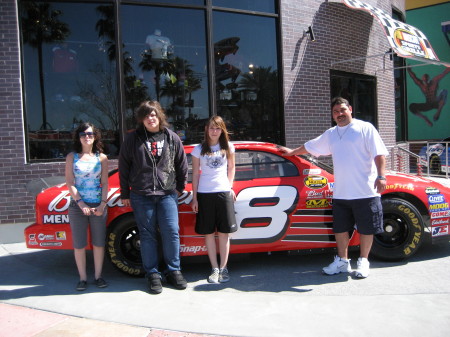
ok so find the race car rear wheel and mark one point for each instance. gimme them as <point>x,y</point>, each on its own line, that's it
<point>435,164</point>
<point>123,246</point>
<point>403,231</point>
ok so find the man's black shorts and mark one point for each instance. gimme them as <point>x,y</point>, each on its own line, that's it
<point>215,211</point>
<point>366,213</point>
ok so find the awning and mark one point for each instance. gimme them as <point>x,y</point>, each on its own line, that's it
<point>405,40</point>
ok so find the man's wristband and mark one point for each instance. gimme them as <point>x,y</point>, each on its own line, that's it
<point>79,200</point>
<point>381,178</point>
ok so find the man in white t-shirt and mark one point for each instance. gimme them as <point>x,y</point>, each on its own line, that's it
<point>359,160</point>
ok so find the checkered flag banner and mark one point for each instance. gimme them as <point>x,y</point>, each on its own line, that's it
<point>405,40</point>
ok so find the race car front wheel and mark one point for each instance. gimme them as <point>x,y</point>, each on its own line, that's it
<point>123,245</point>
<point>403,231</point>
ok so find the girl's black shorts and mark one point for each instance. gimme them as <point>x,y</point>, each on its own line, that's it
<point>215,212</point>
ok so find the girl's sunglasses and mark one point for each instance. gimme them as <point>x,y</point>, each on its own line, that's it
<point>84,134</point>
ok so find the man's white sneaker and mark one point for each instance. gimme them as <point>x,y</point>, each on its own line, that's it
<point>338,266</point>
<point>362,270</point>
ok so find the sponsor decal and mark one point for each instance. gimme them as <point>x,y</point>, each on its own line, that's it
<point>439,230</point>
<point>192,249</point>
<point>440,214</point>
<point>60,235</point>
<point>185,198</point>
<point>432,190</point>
<point>62,201</point>
<point>317,203</point>
<point>50,244</point>
<point>61,204</point>
<point>329,194</point>
<point>331,186</point>
<point>307,172</point>
<point>55,219</point>
<point>409,187</point>
<point>409,43</point>
<point>45,237</point>
<point>438,207</point>
<point>313,194</point>
<point>440,222</point>
<point>315,182</point>
<point>436,199</point>
<point>32,239</point>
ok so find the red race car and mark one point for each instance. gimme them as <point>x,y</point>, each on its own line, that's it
<point>283,203</point>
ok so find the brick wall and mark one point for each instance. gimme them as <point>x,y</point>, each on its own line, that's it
<point>340,33</point>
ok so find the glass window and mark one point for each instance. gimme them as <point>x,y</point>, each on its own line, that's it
<point>267,6</point>
<point>247,79</point>
<point>254,164</point>
<point>360,91</point>
<point>69,75</point>
<point>166,62</point>
<point>176,2</point>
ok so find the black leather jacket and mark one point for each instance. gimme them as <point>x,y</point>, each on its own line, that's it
<point>138,172</point>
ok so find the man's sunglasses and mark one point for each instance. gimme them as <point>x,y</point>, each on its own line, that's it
<point>84,134</point>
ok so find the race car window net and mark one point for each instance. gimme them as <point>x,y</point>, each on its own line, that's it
<point>325,163</point>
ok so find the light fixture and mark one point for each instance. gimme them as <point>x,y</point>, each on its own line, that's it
<point>310,32</point>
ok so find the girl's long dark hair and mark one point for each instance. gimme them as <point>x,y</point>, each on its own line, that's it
<point>98,144</point>
<point>224,138</point>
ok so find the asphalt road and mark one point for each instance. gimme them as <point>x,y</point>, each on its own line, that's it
<point>268,295</point>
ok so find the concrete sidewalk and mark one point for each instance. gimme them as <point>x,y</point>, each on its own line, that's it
<point>268,295</point>
<point>16,321</point>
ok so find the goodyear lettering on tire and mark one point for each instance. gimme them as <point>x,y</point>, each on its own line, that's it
<point>416,224</point>
<point>119,264</point>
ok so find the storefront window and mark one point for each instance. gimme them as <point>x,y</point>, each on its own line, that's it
<point>167,64</point>
<point>360,91</point>
<point>247,77</point>
<point>267,6</point>
<point>69,75</point>
<point>70,67</point>
<point>176,2</point>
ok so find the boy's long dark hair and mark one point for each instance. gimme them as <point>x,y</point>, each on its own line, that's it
<point>98,144</point>
<point>146,108</point>
<point>216,121</point>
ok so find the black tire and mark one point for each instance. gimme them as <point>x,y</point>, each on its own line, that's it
<point>403,231</point>
<point>435,165</point>
<point>123,246</point>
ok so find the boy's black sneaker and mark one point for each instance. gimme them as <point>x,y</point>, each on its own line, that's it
<point>101,283</point>
<point>176,279</point>
<point>154,283</point>
<point>82,285</point>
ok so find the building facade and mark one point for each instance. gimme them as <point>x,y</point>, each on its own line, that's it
<point>427,107</point>
<point>268,67</point>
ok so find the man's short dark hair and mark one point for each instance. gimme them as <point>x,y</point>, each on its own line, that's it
<point>339,101</point>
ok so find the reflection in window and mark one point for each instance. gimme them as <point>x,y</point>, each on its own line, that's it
<point>246,78</point>
<point>167,64</point>
<point>69,74</point>
<point>267,6</point>
<point>254,164</point>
